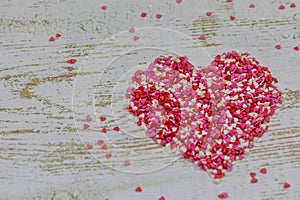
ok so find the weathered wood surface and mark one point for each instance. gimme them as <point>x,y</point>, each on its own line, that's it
<point>42,156</point>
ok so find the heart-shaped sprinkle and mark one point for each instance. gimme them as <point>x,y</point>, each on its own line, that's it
<point>102,118</point>
<point>103,130</point>
<point>292,5</point>
<point>86,126</point>
<point>88,118</point>
<point>281,7</point>
<point>208,14</point>
<point>138,189</point>
<point>158,16</point>
<point>51,39</point>
<point>57,35</point>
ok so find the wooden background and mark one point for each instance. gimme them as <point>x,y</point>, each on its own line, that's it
<point>42,156</point>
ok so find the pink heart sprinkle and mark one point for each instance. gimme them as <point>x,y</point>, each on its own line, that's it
<point>228,1</point>
<point>278,46</point>
<point>132,30</point>
<point>252,6</point>
<point>88,118</point>
<point>103,7</point>
<point>158,16</point>
<point>127,163</point>
<point>178,1</point>
<point>208,14</point>
<point>202,37</point>
<point>70,69</point>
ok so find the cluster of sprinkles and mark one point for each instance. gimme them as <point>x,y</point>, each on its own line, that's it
<point>208,115</point>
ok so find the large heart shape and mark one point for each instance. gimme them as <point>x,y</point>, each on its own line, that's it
<point>209,115</point>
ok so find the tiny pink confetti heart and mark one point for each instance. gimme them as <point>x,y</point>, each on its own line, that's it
<point>103,7</point>
<point>252,6</point>
<point>179,1</point>
<point>208,14</point>
<point>202,37</point>
<point>132,30</point>
<point>278,46</point>
<point>158,16</point>
<point>70,69</point>
<point>88,118</point>
<point>212,129</point>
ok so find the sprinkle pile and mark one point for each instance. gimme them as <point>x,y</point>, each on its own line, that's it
<point>209,115</point>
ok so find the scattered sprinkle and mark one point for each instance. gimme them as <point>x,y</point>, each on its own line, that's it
<point>72,61</point>
<point>104,147</point>
<point>103,130</point>
<point>88,118</point>
<point>254,180</point>
<point>57,35</point>
<point>252,174</point>
<point>251,5</point>
<point>143,14</point>
<point>292,5</point>
<point>103,7</point>
<point>202,37</point>
<point>102,118</point>
<point>70,69</point>
<point>278,46</point>
<point>281,7</point>
<point>86,126</point>
<point>296,48</point>
<point>135,38</point>
<point>126,163</point>
<point>138,189</point>
<point>100,142</point>
<point>223,195</point>
<point>89,146</point>
<point>208,14</point>
<point>116,128</point>
<point>51,39</point>
<point>162,198</point>
<point>228,1</point>
<point>179,1</point>
<point>131,30</point>
<point>108,155</point>
<point>286,185</point>
<point>232,18</point>
<point>158,16</point>
<point>263,170</point>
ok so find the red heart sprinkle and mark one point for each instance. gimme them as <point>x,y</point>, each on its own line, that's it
<point>254,180</point>
<point>223,195</point>
<point>104,147</point>
<point>102,118</point>
<point>138,189</point>
<point>135,38</point>
<point>286,185</point>
<point>100,142</point>
<point>162,198</point>
<point>58,35</point>
<point>72,61</point>
<point>51,39</point>
<point>86,126</point>
<point>103,130</point>
<point>281,7</point>
<point>143,14</point>
<point>232,18</point>
<point>263,170</point>
<point>252,174</point>
<point>296,48</point>
<point>292,5</point>
<point>116,128</point>
<point>89,146</point>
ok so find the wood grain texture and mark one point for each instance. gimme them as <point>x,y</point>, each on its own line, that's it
<point>42,156</point>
